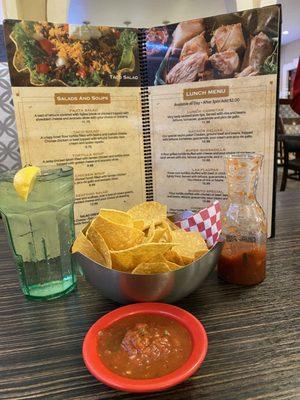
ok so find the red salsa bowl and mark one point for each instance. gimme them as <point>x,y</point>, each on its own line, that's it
<point>169,332</point>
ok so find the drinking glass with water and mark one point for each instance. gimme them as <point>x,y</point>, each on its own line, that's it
<point>40,229</point>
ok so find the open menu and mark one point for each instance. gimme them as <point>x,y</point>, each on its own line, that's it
<point>148,114</point>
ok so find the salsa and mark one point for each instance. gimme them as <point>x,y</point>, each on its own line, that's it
<point>245,265</point>
<point>144,346</point>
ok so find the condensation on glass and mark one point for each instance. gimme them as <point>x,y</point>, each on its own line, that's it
<point>41,231</point>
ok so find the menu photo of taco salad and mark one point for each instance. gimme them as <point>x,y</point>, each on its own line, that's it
<point>227,46</point>
<point>71,55</point>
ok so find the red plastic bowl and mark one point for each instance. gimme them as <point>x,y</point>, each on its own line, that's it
<point>103,374</point>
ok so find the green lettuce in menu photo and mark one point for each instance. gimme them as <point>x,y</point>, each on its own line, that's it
<point>71,55</point>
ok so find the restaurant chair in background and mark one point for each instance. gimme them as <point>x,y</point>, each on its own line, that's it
<point>289,119</point>
<point>291,144</point>
<point>280,151</point>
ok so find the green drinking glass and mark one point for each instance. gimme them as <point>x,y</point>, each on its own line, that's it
<point>41,231</point>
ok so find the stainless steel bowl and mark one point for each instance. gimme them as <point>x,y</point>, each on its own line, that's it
<point>167,287</point>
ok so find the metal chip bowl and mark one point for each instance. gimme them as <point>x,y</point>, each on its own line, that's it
<point>168,287</point>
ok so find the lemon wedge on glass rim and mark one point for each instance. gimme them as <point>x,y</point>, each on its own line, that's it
<point>24,180</point>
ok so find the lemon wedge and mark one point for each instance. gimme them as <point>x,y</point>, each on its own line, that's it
<point>24,180</point>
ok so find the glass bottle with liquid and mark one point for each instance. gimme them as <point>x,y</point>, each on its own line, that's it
<point>244,227</point>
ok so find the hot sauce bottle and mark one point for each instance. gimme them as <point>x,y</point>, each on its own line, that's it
<point>244,228</point>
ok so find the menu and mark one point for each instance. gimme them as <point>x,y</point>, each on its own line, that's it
<point>148,114</point>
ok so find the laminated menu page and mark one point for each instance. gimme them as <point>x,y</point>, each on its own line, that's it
<point>148,114</point>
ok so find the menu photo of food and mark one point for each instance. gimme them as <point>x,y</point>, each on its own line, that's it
<point>47,54</point>
<point>227,46</point>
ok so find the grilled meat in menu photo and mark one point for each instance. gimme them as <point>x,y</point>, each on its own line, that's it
<point>147,114</point>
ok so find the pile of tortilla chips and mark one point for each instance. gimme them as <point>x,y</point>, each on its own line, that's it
<point>141,241</point>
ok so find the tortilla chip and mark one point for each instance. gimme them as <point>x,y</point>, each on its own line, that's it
<point>119,217</point>
<point>127,260</point>
<point>158,258</point>
<point>99,244</point>
<point>154,235</point>
<point>172,256</point>
<point>157,235</point>
<point>85,229</point>
<point>150,231</point>
<point>186,259</point>
<point>171,224</point>
<point>149,211</point>
<point>188,244</point>
<point>151,268</point>
<point>139,224</point>
<point>167,237</point>
<point>84,246</point>
<point>172,266</point>
<point>117,236</point>
<point>200,253</point>
<point>18,61</point>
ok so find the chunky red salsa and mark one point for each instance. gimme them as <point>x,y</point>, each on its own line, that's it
<point>144,346</point>
<point>247,266</point>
